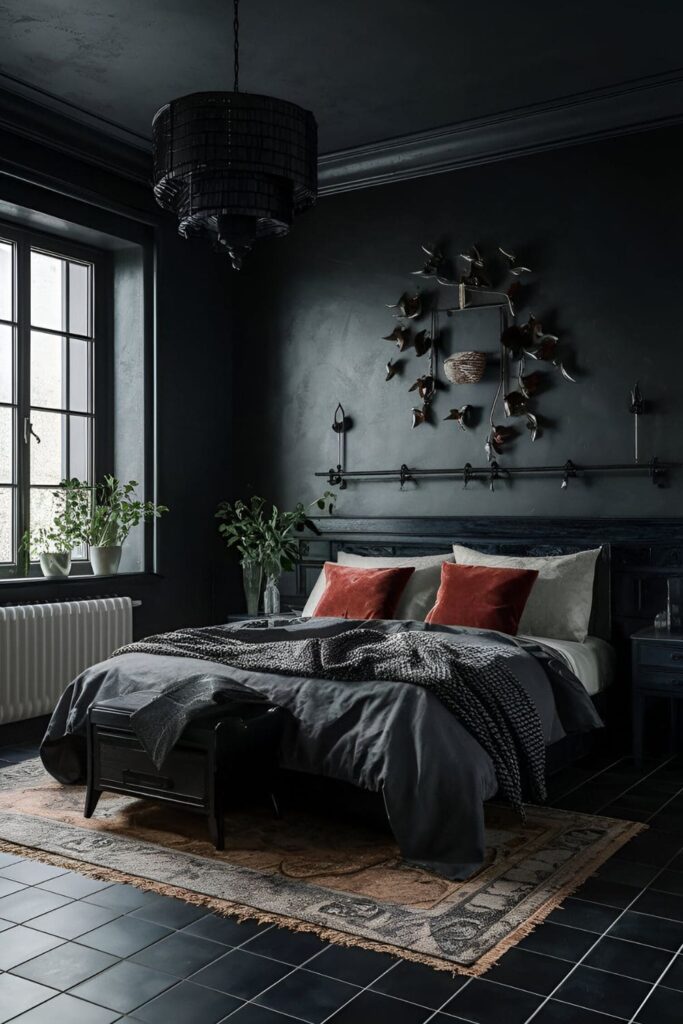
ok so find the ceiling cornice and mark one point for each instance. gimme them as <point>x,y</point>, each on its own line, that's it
<point>631,107</point>
<point>635,106</point>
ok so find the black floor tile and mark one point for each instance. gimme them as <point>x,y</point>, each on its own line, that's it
<point>653,931</point>
<point>187,1004</point>
<point>249,1013</point>
<point>485,1002</point>
<point>29,903</point>
<point>9,858</point>
<point>663,1007</point>
<point>674,976</point>
<point>649,848</point>
<point>532,972</point>
<point>73,885</point>
<point>73,920</point>
<point>598,990</point>
<point>352,964</point>
<point>408,981</point>
<point>65,966</point>
<point>642,962</point>
<point>611,894</point>
<point>18,995</point>
<point>15,755</point>
<point>371,1008</point>
<point>21,944</point>
<point>124,936</point>
<point>628,872</point>
<point>64,1009</point>
<point>168,912</point>
<point>556,940</point>
<point>31,872</point>
<point>312,997</point>
<point>669,881</point>
<point>661,904</point>
<point>179,954</point>
<point>227,930</point>
<point>289,947</point>
<point>241,974</point>
<point>123,898</point>
<point>591,917</point>
<point>124,987</point>
<point>555,1012</point>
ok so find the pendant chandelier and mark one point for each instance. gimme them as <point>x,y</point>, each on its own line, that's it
<point>235,166</point>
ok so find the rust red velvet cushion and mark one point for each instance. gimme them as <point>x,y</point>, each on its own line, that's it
<point>482,597</point>
<point>353,593</point>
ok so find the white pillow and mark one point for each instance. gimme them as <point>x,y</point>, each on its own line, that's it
<point>420,590</point>
<point>560,602</point>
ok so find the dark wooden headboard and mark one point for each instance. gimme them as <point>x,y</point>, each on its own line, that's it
<point>639,554</point>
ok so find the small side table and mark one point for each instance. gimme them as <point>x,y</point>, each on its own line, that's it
<point>657,661</point>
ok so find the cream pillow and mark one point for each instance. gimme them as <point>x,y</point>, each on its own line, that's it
<point>420,591</point>
<point>561,599</point>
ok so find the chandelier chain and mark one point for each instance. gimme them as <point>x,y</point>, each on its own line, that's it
<point>236,43</point>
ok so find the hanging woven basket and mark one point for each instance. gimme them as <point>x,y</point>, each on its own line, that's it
<point>465,367</point>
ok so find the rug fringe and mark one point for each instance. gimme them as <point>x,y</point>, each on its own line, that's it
<point>243,912</point>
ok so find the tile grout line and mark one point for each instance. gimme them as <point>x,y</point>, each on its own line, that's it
<point>656,984</point>
<point>579,963</point>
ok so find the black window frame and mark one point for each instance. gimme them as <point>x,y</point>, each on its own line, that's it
<point>25,240</point>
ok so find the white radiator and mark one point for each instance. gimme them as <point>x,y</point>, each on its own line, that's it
<point>44,646</point>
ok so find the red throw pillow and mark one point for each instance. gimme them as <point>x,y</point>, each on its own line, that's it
<point>482,597</point>
<point>352,593</point>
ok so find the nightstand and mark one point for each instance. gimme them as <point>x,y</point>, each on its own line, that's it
<point>657,660</point>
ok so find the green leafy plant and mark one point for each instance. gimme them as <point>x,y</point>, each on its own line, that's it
<point>116,510</point>
<point>72,512</point>
<point>264,533</point>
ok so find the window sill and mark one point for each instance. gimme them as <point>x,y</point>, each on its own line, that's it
<point>74,579</point>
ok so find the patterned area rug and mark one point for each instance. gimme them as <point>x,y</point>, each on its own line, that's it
<point>345,881</point>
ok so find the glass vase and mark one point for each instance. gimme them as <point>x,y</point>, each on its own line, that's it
<point>271,595</point>
<point>252,573</point>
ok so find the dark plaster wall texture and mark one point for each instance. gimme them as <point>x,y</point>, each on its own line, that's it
<point>600,224</point>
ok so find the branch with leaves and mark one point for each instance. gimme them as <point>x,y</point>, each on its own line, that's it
<point>264,533</point>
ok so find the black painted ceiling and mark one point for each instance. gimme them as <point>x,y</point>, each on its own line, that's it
<point>369,69</point>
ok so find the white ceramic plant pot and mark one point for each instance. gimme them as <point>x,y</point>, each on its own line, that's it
<point>56,563</point>
<point>105,561</point>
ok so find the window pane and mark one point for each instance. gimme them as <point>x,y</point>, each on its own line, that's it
<point>48,275</point>
<point>6,289</point>
<point>6,382</point>
<point>6,444</point>
<point>43,508</point>
<point>48,377</point>
<point>6,545</point>
<point>79,379</point>
<point>79,298</point>
<point>48,457</point>
<point>79,464</point>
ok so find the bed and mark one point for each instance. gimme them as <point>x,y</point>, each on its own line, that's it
<point>383,735</point>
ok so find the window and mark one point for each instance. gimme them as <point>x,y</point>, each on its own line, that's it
<point>51,334</point>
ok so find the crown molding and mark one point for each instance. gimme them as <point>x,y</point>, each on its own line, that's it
<point>71,131</point>
<point>635,106</point>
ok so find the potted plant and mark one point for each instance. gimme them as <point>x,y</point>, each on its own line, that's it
<point>264,539</point>
<point>116,510</point>
<point>54,544</point>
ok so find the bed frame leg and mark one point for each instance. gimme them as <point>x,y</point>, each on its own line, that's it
<point>92,797</point>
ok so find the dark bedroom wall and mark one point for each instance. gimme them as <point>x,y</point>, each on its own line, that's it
<point>602,226</point>
<point>189,312</point>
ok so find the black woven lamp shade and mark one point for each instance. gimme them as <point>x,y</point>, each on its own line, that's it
<point>234,165</point>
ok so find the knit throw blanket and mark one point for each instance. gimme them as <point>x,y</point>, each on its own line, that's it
<point>473,682</point>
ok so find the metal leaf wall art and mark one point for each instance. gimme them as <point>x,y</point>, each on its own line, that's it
<point>481,283</point>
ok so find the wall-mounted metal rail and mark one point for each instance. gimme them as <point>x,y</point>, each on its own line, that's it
<point>494,473</point>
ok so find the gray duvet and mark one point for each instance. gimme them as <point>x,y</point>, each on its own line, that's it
<point>393,738</point>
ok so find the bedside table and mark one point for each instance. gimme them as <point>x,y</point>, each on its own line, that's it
<point>657,660</point>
